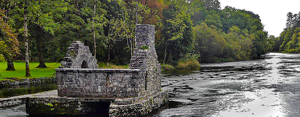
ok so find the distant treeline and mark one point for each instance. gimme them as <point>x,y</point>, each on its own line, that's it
<point>288,41</point>
<point>185,30</point>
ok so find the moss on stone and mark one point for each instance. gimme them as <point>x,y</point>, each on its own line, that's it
<point>145,47</point>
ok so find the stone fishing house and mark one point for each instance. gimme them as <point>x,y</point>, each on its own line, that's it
<point>83,88</point>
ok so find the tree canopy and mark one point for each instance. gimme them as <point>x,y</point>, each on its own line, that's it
<point>183,29</point>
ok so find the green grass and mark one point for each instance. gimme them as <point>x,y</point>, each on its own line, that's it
<point>103,65</point>
<point>167,67</point>
<point>190,64</point>
<point>20,70</point>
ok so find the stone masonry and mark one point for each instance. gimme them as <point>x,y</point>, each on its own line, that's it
<point>79,56</point>
<point>114,92</point>
<point>145,59</point>
<point>79,76</point>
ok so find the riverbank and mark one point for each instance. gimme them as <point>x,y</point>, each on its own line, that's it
<point>32,81</point>
<point>19,73</point>
<point>45,73</point>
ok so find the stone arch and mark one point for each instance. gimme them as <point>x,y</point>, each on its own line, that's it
<point>79,56</point>
<point>84,65</point>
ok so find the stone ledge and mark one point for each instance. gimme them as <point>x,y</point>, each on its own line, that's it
<point>32,81</point>
<point>140,108</point>
<point>50,103</point>
<point>97,70</point>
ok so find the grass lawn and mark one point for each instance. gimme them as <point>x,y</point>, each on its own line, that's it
<point>41,72</point>
<point>20,70</point>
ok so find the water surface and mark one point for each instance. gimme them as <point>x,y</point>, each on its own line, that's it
<point>266,87</point>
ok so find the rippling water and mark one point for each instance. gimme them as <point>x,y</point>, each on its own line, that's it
<point>268,87</point>
<point>260,88</point>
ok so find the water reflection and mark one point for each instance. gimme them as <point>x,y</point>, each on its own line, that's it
<point>27,89</point>
<point>260,88</point>
<point>257,88</point>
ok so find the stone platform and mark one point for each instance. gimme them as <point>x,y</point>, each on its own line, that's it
<point>84,89</point>
<point>49,103</point>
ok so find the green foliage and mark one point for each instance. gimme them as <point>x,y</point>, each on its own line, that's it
<point>186,32</point>
<point>2,59</point>
<point>208,42</point>
<point>190,64</point>
<point>145,47</point>
<point>165,67</point>
<point>112,66</point>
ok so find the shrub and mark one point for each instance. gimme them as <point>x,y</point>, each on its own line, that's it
<point>112,66</point>
<point>292,51</point>
<point>190,64</point>
<point>2,58</point>
<point>167,67</point>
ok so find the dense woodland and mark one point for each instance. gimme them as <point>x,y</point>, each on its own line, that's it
<point>41,30</point>
<point>288,41</point>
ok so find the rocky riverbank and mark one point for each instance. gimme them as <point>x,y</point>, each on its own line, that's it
<point>33,81</point>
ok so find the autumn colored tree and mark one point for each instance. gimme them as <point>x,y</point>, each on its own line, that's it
<point>5,15</point>
<point>9,44</point>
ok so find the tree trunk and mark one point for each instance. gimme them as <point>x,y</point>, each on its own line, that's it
<point>108,54</point>
<point>165,57</point>
<point>26,42</point>
<point>9,59</point>
<point>94,36</point>
<point>41,61</point>
<point>10,65</point>
<point>39,44</point>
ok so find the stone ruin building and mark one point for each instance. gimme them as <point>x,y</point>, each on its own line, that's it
<point>83,88</point>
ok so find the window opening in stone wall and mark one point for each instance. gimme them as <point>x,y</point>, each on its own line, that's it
<point>84,65</point>
<point>107,80</point>
<point>146,80</point>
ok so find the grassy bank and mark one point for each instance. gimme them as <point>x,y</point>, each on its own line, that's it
<point>112,66</point>
<point>20,70</point>
<point>188,64</point>
<point>41,72</point>
<point>50,71</point>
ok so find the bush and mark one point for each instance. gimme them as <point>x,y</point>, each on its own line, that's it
<point>112,66</point>
<point>190,64</point>
<point>292,51</point>
<point>2,58</point>
<point>167,67</point>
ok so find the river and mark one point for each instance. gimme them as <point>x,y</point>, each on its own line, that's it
<point>266,87</point>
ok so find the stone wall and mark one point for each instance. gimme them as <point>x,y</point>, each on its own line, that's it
<point>84,89</point>
<point>49,104</point>
<point>142,79</point>
<point>79,56</point>
<point>145,59</point>
<point>105,83</point>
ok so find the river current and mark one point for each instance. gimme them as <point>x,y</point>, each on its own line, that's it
<point>268,87</point>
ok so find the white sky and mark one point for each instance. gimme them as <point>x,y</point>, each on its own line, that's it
<point>273,13</point>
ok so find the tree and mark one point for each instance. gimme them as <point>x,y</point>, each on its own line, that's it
<point>212,4</point>
<point>214,20</point>
<point>5,10</point>
<point>289,20</point>
<point>208,42</point>
<point>33,12</point>
<point>177,37</point>
<point>9,44</point>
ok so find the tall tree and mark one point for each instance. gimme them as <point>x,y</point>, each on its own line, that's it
<point>9,44</point>
<point>33,12</point>
<point>208,42</point>
<point>289,20</point>
<point>5,10</point>
<point>26,40</point>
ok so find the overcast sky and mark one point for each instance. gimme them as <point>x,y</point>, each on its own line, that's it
<point>273,13</point>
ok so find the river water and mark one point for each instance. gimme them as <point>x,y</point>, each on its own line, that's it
<point>268,87</point>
